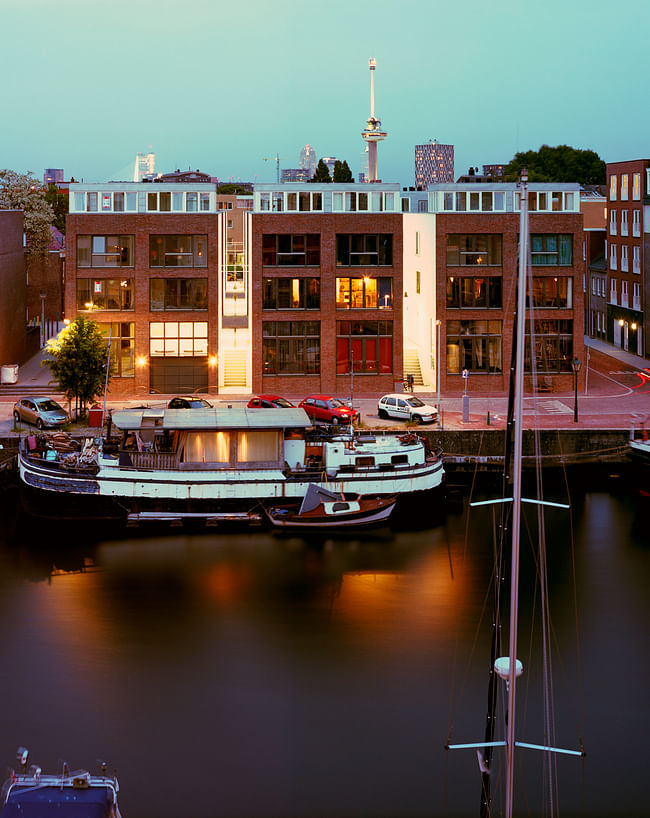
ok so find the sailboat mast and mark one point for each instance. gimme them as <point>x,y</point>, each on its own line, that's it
<point>516,489</point>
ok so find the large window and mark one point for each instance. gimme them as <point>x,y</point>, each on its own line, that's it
<point>234,267</point>
<point>122,338</point>
<point>178,294</point>
<point>478,249</point>
<point>364,250</point>
<point>104,294</point>
<point>552,293</point>
<point>553,346</point>
<point>287,250</point>
<point>178,339</point>
<point>474,293</point>
<point>474,345</point>
<point>178,251</point>
<point>291,347</point>
<point>364,293</point>
<point>364,346</point>
<point>551,250</point>
<point>104,251</point>
<point>291,294</point>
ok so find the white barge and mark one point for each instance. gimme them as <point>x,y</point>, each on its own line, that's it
<point>219,464</point>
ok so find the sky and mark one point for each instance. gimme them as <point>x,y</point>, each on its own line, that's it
<point>226,87</point>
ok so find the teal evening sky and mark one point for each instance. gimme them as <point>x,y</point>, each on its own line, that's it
<point>220,86</point>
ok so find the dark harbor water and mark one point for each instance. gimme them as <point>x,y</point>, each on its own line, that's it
<point>246,675</point>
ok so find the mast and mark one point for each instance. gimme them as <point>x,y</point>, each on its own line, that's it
<point>516,494</point>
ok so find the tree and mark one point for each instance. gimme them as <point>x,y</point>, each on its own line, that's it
<point>342,172</point>
<point>78,358</point>
<point>59,203</point>
<point>559,164</point>
<point>22,191</point>
<point>234,189</point>
<point>322,173</point>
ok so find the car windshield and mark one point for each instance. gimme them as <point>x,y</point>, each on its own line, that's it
<point>48,406</point>
<point>282,403</point>
<point>415,402</point>
<point>335,403</point>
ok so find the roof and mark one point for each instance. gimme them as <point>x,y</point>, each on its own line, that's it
<point>44,801</point>
<point>216,419</point>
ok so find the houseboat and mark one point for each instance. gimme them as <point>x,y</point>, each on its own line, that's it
<point>220,464</point>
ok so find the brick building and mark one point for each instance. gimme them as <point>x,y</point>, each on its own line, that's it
<point>627,273</point>
<point>460,269</point>
<point>13,333</point>
<point>326,284</point>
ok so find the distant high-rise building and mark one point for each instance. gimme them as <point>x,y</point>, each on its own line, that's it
<point>295,175</point>
<point>495,171</point>
<point>145,166</point>
<point>330,162</point>
<point>52,176</point>
<point>308,160</point>
<point>433,163</point>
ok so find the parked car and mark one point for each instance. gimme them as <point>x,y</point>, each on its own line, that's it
<point>328,409</point>
<point>406,407</point>
<point>269,402</point>
<point>189,402</point>
<point>42,412</point>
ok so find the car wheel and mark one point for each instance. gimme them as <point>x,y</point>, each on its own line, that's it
<point>16,417</point>
<point>416,419</point>
<point>382,414</point>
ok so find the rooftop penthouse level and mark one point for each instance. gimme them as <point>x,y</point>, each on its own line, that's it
<point>336,197</point>
<point>503,198</point>
<point>151,197</point>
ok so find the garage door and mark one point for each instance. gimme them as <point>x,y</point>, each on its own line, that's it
<point>178,375</point>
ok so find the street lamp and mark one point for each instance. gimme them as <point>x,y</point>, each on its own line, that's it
<point>575,364</point>
<point>43,297</point>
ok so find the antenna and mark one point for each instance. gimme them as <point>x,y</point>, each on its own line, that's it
<point>372,133</point>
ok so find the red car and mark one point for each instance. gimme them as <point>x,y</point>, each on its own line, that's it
<point>328,409</point>
<point>269,402</point>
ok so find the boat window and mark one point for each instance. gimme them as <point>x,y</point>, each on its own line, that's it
<point>340,506</point>
<point>365,461</point>
<point>257,447</point>
<point>398,459</point>
<point>207,447</point>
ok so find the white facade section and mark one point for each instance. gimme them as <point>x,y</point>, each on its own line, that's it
<point>142,197</point>
<point>419,271</point>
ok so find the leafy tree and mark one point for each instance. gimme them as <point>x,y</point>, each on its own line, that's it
<point>233,189</point>
<point>78,358</point>
<point>342,172</point>
<point>59,203</point>
<point>559,164</point>
<point>23,191</point>
<point>322,173</point>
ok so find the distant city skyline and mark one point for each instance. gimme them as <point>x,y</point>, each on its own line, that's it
<point>561,74</point>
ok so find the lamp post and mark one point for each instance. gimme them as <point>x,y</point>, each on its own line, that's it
<point>575,364</point>
<point>43,297</point>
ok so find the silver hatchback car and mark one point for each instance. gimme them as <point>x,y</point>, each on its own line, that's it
<point>42,412</point>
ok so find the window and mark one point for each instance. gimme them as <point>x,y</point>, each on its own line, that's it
<point>551,250</point>
<point>225,205</point>
<point>204,201</point>
<point>474,293</point>
<point>178,339</point>
<point>624,258</point>
<point>636,260</point>
<point>178,251</point>
<point>91,202</point>
<point>417,242</point>
<point>552,292</point>
<point>291,347</point>
<point>105,251</point>
<point>481,249</point>
<point>291,294</point>
<point>636,186</point>
<point>624,186</point>
<point>448,201</point>
<point>612,291</point>
<point>178,294</point>
<point>553,345</point>
<point>612,257</point>
<point>418,277</point>
<point>474,345</point>
<point>290,250</point>
<point>624,301</point>
<point>624,223</point>
<point>636,223</point>
<point>104,294</point>
<point>636,295</point>
<point>364,250</point>
<point>364,293</point>
<point>612,222</point>
<point>234,267</point>
<point>612,188</point>
<point>122,338</point>
<point>365,345</point>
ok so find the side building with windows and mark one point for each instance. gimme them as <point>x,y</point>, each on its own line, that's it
<point>161,268</point>
<point>326,283</point>
<point>472,234</point>
<point>627,196</point>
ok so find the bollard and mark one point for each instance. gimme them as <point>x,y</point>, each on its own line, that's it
<point>488,418</point>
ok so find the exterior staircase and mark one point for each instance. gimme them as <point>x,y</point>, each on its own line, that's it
<point>412,366</point>
<point>234,370</point>
<point>21,390</point>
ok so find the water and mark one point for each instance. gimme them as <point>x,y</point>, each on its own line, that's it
<point>246,675</point>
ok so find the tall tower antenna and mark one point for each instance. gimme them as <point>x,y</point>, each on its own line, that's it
<point>372,133</point>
